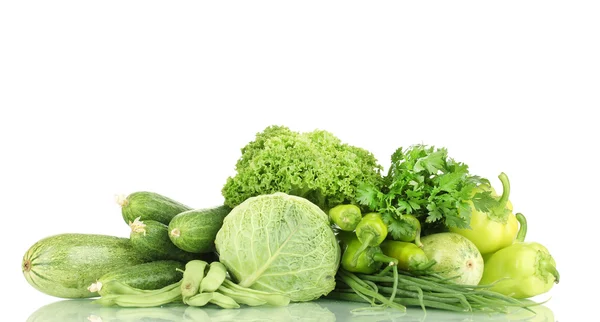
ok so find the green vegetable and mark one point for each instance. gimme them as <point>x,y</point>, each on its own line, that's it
<point>346,217</point>
<point>195,230</point>
<point>314,165</point>
<point>65,265</point>
<point>426,291</point>
<point>217,272</point>
<point>492,227</point>
<point>192,277</point>
<point>147,205</point>
<point>195,289</point>
<point>371,231</point>
<point>151,238</point>
<point>368,261</point>
<point>280,243</point>
<point>165,295</point>
<point>425,182</point>
<point>521,270</point>
<point>410,256</point>
<point>224,301</point>
<point>145,276</point>
<point>456,257</point>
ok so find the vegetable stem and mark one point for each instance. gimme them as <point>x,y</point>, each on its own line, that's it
<point>522,227</point>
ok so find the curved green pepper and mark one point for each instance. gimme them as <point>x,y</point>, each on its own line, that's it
<point>368,261</point>
<point>370,231</point>
<point>346,217</point>
<point>494,229</point>
<point>521,270</point>
<point>410,256</point>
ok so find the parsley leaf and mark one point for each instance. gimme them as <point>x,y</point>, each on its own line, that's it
<point>425,182</point>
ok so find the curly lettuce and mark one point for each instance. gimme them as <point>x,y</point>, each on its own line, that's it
<point>314,165</point>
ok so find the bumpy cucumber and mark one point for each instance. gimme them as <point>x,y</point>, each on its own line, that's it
<point>65,265</point>
<point>149,206</point>
<point>195,230</point>
<point>151,238</point>
<point>146,276</point>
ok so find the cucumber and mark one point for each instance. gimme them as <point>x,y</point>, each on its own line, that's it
<point>146,276</point>
<point>65,265</point>
<point>195,230</point>
<point>151,238</point>
<point>149,206</point>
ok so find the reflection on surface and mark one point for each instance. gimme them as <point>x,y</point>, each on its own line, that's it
<point>322,310</point>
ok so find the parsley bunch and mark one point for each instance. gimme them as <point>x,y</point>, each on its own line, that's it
<point>425,182</point>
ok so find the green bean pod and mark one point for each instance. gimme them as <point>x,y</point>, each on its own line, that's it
<point>192,277</point>
<point>199,299</point>
<point>217,272</point>
<point>224,301</point>
<point>242,297</point>
<point>150,299</point>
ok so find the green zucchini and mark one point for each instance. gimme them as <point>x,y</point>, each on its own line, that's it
<point>146,276</point>
<point>151,238</point>
<point>65,265</point>
<point>195,230</point>
<point>149,206</point>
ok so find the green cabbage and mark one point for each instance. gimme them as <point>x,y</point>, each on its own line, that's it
<point>280,243</point>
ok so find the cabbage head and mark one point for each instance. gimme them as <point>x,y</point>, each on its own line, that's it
<point>282,244</point>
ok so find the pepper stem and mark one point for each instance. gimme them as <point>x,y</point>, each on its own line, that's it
<point>418,238</point>
<point>522,227</point>
<point>362,248</point>
<point>550,268</point>
<point>380,257</point>
<point>505,188</point>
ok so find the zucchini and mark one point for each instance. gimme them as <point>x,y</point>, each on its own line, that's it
<point>151,238</point>
<point>65,265</point>
<point>195,230</point>
<point>146,276</point>
<point>149,206</point>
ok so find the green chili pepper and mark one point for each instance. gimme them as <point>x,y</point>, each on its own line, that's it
<point>494,228</point>
<point>368,261</point>
<point>521,270</point>
<point>346,217</point>
<point>370,231</point>
<point>410,256</point>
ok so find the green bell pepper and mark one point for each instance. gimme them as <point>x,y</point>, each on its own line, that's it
<point>521,270</point>
<point>493,229</point>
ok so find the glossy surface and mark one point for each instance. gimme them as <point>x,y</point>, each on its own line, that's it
<point>318,311</point>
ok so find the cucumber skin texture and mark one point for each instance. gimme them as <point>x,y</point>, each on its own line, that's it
<point>198,228</point>
<point>150,206</point>
<point>65,265</point>
<point>155,243</point>
<point>146,276</point>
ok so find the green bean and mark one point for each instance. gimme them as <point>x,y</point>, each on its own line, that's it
<point>360,288</point>
<point>431,296</point>
<point>142,300</point>
<point>399,300</point>
<point>199,299</point>
<point>242,297</point>
<point>214,278</point>
<point>192,277</point>
<point>116,287</point>
<point>271,298</point>
<point>224,301</point>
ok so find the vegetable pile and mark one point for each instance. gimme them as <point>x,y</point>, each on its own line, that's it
<point>305,217</point>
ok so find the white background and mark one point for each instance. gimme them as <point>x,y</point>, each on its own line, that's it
<point>108,97</point>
